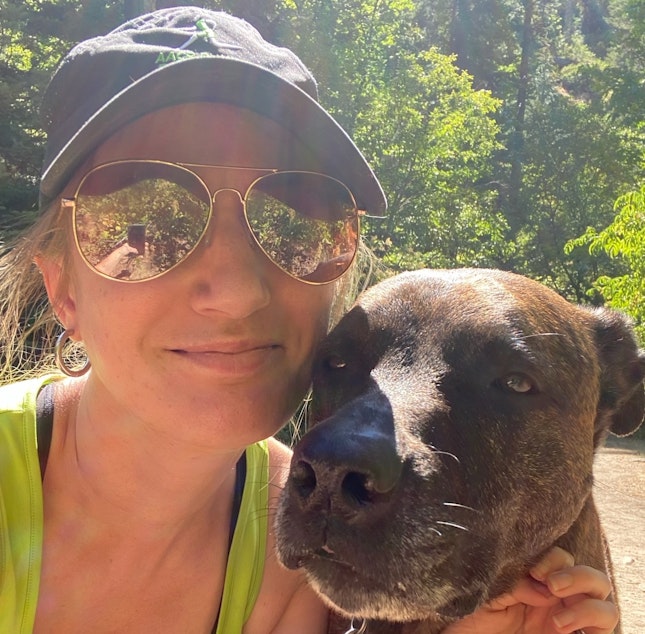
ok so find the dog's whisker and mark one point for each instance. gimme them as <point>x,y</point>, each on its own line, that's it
<point>445,453</point>
<point>541,334</point>
<point>453,524</point>
<point>436,530</point>
<point>461,506</point>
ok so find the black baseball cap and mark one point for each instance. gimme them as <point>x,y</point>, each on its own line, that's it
<point>181,55</point>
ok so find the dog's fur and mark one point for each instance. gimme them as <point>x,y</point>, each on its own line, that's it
<point>458,415</point>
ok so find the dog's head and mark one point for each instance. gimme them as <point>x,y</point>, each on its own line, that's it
<point>457,416</point>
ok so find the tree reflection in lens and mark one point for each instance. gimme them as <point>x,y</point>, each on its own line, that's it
<point>298,244</point>
<point>169,219</point>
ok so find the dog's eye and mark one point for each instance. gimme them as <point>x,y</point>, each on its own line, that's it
<point>518,383</point>
<point>335,362</point>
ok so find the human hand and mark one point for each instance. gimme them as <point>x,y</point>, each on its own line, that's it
<point>557,598</point>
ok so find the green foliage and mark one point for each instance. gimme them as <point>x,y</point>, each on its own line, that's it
<point>428,133</point>
<point>623,239</point>
<point>430,152</point>
<point>481,33</point>
<point>576,160</point>
<point>34,35</point>
<point>500,129</point>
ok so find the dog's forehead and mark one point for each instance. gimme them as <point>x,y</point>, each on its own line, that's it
<point>429,294</point>
<point>478,296</point>
<point>472,309</point>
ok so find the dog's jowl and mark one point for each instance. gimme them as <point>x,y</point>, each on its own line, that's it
<point>457,415</point>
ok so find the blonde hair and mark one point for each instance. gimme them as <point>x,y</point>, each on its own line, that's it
<point>365,271</point>
<point>28,325</point>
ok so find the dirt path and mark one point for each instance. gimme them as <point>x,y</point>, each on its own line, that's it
<point>620,495</point>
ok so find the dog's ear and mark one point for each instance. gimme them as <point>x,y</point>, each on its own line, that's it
<point>621,406</point>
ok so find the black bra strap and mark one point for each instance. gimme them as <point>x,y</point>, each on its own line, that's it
<point>240,480</point>
<point>44,424</point>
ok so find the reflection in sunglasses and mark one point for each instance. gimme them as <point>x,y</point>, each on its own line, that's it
<point>135,220</point>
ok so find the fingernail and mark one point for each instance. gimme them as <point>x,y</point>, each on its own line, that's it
<point>559,581</point>
<point>538,572</point>
<point>564,618</point>
<point>540,587</point>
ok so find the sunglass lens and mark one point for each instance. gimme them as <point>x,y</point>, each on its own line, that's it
<point>306,223</point>
<point>135,220</point>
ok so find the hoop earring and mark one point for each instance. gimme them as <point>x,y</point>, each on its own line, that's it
<point>62,362</point>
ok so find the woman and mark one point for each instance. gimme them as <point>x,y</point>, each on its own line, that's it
<point>200,210</point>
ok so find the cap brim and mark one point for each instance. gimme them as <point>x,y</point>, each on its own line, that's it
<point>224,80</point>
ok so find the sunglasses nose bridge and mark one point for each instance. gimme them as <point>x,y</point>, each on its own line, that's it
<point>237,197</point>
<point>233,190</point>
<point>234,197</point>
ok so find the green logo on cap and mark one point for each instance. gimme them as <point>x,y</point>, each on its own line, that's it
<point>202,31</point>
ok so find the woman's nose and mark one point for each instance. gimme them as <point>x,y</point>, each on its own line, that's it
<point>231,271</point>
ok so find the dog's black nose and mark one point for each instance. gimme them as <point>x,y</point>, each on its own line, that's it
<point>344,468</point>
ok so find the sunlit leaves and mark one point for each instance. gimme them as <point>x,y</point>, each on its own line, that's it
<point>624,239</point>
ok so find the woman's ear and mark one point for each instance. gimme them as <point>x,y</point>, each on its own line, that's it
<point>60,291</point>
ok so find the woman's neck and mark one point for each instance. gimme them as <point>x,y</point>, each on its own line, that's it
<point>122,472</point>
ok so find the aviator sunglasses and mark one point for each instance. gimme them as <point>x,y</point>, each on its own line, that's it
<point>135,220</point>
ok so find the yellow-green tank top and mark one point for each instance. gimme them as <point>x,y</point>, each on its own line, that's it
<point>21,520</point>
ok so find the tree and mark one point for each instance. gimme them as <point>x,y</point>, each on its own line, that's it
<point>501,178</point>
<point>569,124</point>
<point>427,132</point>
<point>623,239</point>
<point>34,35</point>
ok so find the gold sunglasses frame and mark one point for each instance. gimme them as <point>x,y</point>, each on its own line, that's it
<point>70,204</point>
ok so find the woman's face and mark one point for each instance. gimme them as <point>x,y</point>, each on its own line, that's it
<point>218,349</point>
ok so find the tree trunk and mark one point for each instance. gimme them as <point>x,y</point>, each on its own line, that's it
<point>516,143</point>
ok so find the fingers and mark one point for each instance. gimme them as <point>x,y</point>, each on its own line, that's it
<point>555,559</point>
<point>535,590</point>
<point>593,616</point>
<point>583,591</point>
<point>579,580</point>
<point>571,598</point>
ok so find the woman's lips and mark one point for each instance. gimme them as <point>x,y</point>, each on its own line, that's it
<point>231,359</point>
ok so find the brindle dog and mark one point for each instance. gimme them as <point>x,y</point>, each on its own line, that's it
<point>457,415</point>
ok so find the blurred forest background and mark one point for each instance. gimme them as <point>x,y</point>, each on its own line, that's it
<point>506,133</point>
